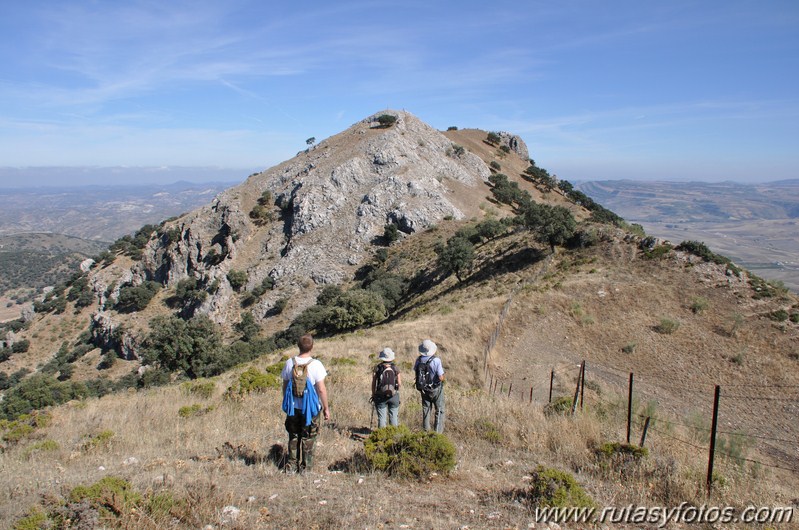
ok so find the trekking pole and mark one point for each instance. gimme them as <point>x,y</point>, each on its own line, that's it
<point>371,416</point>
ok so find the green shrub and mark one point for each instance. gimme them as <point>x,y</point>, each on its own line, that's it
<point>488,431</point>
<point>203,388</point>
<point>495,165</point>
<point>698,304</point>
<point>658,252</point>
<point>237,279</point>
<point>628,348</point>
<point>111,493</point>
<point>667,326</point>
<point>161,504</point>
<point>779,315</point>
<point>390,233</point>
<point>193,410</point>
<point>17,432</point>
<point>614,449</point>
<point>45,446</point>
<point>398,451</point>
<point>561,406</point>
<point>136,298</point>
<point>342,361</point>
<point>386,120</point>
<point>261,214</point>
<point>253,380</point>
<point>102,439</point>
<point>551,487</point>
<point>280,305</point>
<point>36,520</point>
<point>193,347</point>
<point>21,346</point>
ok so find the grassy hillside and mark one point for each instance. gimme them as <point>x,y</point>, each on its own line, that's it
<point>203,453</point>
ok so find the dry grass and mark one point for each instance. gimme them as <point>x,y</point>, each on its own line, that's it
<point>226,455</point>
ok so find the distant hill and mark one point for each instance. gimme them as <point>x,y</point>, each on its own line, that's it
<point>756,225</point>
<point>30,262</point>
<point>102,213</point>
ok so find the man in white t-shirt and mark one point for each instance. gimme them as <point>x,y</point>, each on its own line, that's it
<point>302,423</point>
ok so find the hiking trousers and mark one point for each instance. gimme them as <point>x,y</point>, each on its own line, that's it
<point>390,406</point>
<point>301,441</point>
<point>428,405</point>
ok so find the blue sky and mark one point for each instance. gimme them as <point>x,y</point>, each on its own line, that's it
<point>676,90</point>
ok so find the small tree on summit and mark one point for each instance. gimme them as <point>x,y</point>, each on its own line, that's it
<point>386,120</point>
<point>311,140</point>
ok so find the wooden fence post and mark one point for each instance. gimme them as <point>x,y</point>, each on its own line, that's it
<point>629,408</point>
<point>531,394</point>
<point>551,382</point>
<point>582,384</point>
<point>712,451</point>
<point>510,387</point>
<point>577,390</point>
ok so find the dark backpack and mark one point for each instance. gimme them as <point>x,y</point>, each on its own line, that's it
<point>386,377</point>
<point>299,377</point>
<point>426,382</point>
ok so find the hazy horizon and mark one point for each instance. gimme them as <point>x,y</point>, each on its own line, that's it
<point>77,176</point>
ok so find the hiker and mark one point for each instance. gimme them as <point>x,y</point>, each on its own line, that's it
<point>430,384</point>
<point>385,389</point>
<point>304,396</point>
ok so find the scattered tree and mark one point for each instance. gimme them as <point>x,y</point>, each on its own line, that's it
<point>237,279</point>
<point>553,225</point>
<point>456,256</point>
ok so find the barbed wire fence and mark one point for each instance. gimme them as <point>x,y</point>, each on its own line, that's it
<point>730,422</point>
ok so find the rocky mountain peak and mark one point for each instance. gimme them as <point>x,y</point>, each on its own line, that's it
<point>313,219</point>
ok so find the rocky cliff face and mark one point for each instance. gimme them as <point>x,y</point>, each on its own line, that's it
<point>320,213</point>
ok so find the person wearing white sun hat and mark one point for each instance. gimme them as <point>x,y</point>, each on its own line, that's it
<point>430,383</point>
<point>386,382</point>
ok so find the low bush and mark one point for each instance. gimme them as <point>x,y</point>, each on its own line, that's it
<point>667,326</point>
<point>698,305</point>
<point>110,493</point>
<point>561,406</point>
<point>45,446</point>
<point>193,410</point>
<point>203,388</point>
<point>398,451</point>
<point>779,315</point>
<point>101,439</point>
<point>253,380</point>
<point>555,488</point>
<point>612,450</point>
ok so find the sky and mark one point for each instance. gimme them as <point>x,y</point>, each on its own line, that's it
<point>679,90</point>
